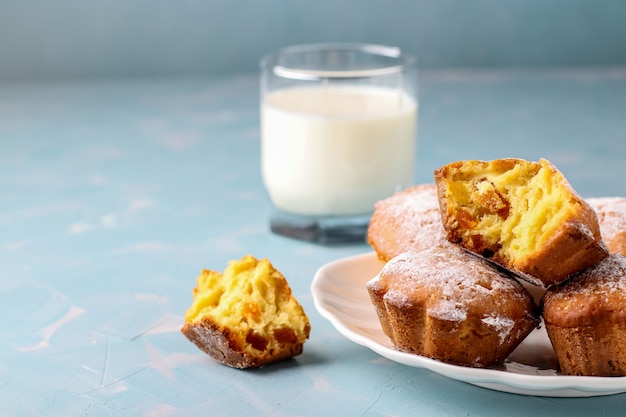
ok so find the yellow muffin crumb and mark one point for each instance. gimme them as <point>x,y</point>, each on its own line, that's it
<point>521,214</point>
<point>247,315</point>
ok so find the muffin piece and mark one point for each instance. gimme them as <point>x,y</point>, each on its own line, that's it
<point>585,318</point>
<point>522,215</point>
<point>451,305</point>
<point>611,213</point>
<point>247,316</point>
<point>407,221</point>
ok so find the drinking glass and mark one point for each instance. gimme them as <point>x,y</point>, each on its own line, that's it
<point>338,134</point>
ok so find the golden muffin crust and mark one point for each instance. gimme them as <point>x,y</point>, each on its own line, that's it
<point>407,221</point>
<point>611,213</point>
<point>451,305</point>
<point>246,316</point>
<point>522,215</point>
<point>585,319</point>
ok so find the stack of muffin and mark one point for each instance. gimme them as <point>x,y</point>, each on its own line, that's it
<point>456,249</point>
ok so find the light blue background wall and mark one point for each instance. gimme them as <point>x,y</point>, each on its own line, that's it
<point>121,38</point>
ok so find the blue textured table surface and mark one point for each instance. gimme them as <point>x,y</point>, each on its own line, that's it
<point>114,195</point>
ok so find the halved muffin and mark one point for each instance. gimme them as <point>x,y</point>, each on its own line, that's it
<point>247,316</point>
<point>522,215</point>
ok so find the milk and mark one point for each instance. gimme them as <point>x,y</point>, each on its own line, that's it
<point>329,150</point>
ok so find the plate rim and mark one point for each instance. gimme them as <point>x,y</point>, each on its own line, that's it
<point>495,379</point>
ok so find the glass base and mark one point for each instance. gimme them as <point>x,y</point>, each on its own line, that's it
<point>322,230</point>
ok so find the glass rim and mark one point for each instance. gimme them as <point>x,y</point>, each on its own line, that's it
<point>404,60</point>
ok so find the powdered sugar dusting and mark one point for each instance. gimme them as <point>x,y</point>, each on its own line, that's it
<point>407,221</point>
<point>595,297</point>
<point>502,325</point>
<point>454,282</point>
<point>450,310</point>
<point>611,213</point>
<point>604,281</point>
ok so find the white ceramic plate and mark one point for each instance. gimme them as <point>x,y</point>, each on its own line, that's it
<point>340,296</point>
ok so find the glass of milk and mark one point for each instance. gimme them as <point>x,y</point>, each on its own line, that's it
<point>338,133</point>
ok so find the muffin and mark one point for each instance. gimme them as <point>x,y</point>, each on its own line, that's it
<point>453,306</point>
<point>407,221</point>
<point>522,215</point>
<point>611,213</point>
<point>246,316</point>
<point>585,318</point>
